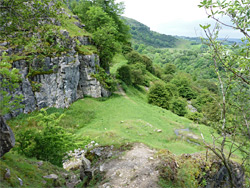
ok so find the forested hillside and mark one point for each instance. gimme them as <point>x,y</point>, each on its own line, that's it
<point>93,99</point>
<point>143,35</point>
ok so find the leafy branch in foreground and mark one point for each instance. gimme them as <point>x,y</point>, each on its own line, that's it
<point>232,66</point>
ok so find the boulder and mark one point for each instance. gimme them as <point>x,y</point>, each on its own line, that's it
<point>51,176</point>
<point>221,177</point>
<point>78,24</point>
<point>85,170</point>
<point>7,138</point>
<point>7,174</point>
<point>76,17</point>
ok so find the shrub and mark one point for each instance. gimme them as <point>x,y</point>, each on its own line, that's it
<point>48,144</point>
<point>203,98</point>
<point>148,63</point>
<point>159,95</point>
<point>183,82</point>
<point>105,79</point>
<point>170,69</point>
<point>187,92</point>
<point>172,89</point>
<point>126,49</point>
<point>138,71</point>
<point>124,73</point>
<point>195,116</point>
<point>212,111</point>
<point>158,71</point>
<point>178,106</point>
<point>134,57</point>
<point>167,77</point>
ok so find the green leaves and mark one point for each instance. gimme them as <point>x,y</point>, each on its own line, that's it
<point>22,15</point>
<point>50,143</point>
<point>102,19</point>
<point>205,26</point>
<point>9,83</point>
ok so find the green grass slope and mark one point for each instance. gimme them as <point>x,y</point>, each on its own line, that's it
<point>125,118</point>
<point>29,171</point>
<point>122,119</point>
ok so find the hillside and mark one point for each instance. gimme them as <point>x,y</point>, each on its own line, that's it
<point>120,121</point>
<point>142,34</point>
<point>84,105</point>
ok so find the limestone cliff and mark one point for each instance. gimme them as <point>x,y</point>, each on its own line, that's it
<point>59,80</point>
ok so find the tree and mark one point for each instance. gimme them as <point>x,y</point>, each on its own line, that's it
<point>178,106</point>
<point>134,57</point>
<point>124,73</point>
<point>148,62</point>
<point>170,69</point>
<point>104,30</point>
<point>21,16</point>
<point>138,71</point>
<point>159,95</point>
<point>183,82</point>
<point>102,19</point>
<point>232,66</point>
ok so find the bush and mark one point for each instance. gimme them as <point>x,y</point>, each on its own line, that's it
<point>195,116</point>
<point>106,80</point>
<point>134,57</point>
<point>167,77</point>
<point>170,69</point>
<point>187,92</point>
<point>172,89</point>
<point>159,95</point>
<point>212,111</point>
<point>124,74</point>
<point>183,82</point>
<point>203,98</point>
<point>158,71</point>
<point>48,144</point>
<point>126,49</point>
<point>148,63</point>
<point>138,71</point>
<point>178,106</point>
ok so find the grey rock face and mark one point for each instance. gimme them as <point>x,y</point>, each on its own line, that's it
<point>84,40</point>
<point>221,177</point>
<point>70,80</point>
<point>7,139</point>
<point>191,108</point>
<point>85,170</point>
<point>78,24</point>
<point>57,81</point>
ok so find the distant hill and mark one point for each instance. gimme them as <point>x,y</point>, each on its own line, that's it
<point>143,35</point>
<point>197,40</point>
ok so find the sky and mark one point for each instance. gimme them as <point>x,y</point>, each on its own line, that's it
<point>172,17</point>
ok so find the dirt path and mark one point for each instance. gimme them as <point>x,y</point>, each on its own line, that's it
<point>136,169</point>
<point>122,92</point>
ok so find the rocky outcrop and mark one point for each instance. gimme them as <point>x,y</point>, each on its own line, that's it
<point>218,176</point>
<point>58,81</point>
<point>7,139</point>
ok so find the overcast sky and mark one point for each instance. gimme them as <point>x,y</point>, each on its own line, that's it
<point>172,17</point>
